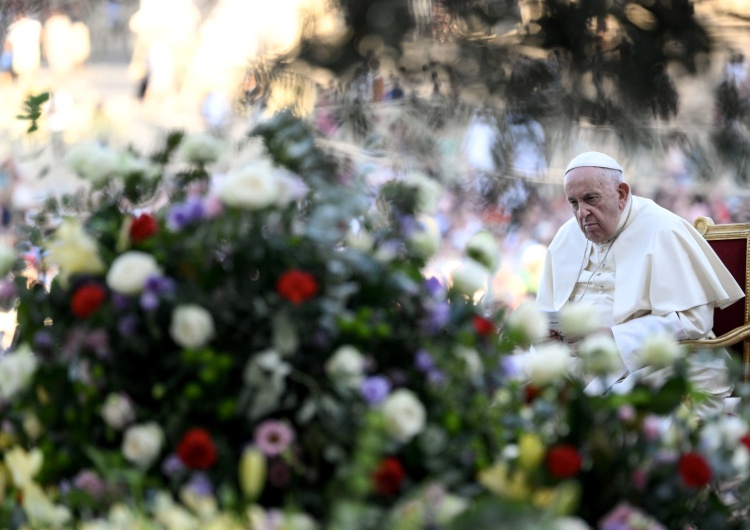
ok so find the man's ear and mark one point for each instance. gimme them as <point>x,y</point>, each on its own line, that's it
<point>623,192</point>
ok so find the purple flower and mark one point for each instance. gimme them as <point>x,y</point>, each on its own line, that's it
<point>89,482</point>
<point>200,484</point>
<point>182,214</point>
<point>127,325</point>
<point>509,366</point>
<point>433,286</point>
<point>272,437</point>
<point>42,340</point>
<point>439,315</point>
<point>172,466</point>
<point>423,361</point>
<point>375,389</point>
<point>436,377</point>
<point>120,301</point>
<point>159,284</point>
<point>407,223</point>
<point>155,288</point>
<point>98,341</point>
<point>149,300</point>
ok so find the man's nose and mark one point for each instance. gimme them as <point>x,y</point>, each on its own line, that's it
<point>582,213</point>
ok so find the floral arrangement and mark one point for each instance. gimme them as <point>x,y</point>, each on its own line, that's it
<point>255,345</point>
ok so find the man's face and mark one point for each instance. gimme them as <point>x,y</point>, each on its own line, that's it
<point>597,201</point>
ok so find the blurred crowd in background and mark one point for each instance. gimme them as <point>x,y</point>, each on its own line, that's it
<point>125,72</point>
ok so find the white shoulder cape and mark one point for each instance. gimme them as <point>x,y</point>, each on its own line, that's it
<point>662,265</point>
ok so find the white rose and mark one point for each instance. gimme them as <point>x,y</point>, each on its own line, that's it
<point>360,239</point>
<point>7,258</point>
<point>733,428</point>
<point>474,366</point>
<point>741,461</point>
<point>252,187</point>
<point>92,161</point>
<point>118,411</point>
<point>23,466</point>
<point>130,271</point>
<point>450,507</point>
<point>659,349</point>
<point>16,370</point>
<point>142,443</point>
<point>201,148</point>
<point>346,365</point>
<point>529,322</point>
<point>129,164</point>
<point>404,414</point>
<point>192,326</point>
<point>73,250</point>
<point>482,247</point>
<point>711,437</point>
<point>548,364</point>
<point>425,239</point>
<point>580,319</point>
<point>469,277</point>
<point>599,354</point>
<point>429,190</point>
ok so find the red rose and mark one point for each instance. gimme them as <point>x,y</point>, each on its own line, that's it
<point>746,441</point>
<point>694,470</point>
<point>563,461</point>
<point>143,227</point>
<point>197,449</point>
<point>297,286</point>
<point>530,393</point>
<point>483,326</point>
<point>387,478</point>
<point>87,299</point>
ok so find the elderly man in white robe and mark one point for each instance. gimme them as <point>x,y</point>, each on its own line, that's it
<point>645,269</point>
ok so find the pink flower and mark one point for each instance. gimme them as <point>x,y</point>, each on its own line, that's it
<point>639,479</point>
<point>272,437</point>
<point>652,427</point>
<point>625,516</point>
<point>626,413</point>
<point>212,207</point>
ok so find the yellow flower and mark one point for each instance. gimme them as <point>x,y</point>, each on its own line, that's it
<point>23,466</point>
<point>73,250</point>
<point>40,510</point>
<point>252,473</point>
<point>224,522</point>
<point>544,497</point>
<point>501,481</point>
<point>530,451</point>
<point>31,425</point>
<point>204,506</point>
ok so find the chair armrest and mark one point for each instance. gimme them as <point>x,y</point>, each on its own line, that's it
<point>727,339</point>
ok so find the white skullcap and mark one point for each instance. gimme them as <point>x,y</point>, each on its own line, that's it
<point>593,159</point>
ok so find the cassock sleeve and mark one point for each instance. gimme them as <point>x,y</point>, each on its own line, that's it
<point>694,323</point>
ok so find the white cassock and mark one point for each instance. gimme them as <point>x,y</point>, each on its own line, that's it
<point>657,275</point>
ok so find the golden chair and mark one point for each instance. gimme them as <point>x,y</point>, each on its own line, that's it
<point>731,242</point>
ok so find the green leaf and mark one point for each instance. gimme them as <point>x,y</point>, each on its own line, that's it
<point>669,396</point>
<point>33,110</point>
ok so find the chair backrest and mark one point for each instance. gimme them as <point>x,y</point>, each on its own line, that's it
<point>731,242</point>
